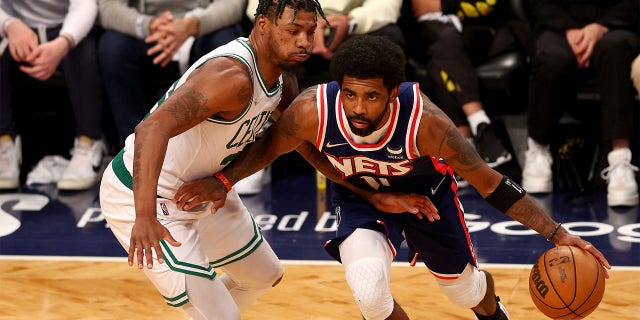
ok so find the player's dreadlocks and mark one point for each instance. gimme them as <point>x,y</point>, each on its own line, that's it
<point>274,8</point>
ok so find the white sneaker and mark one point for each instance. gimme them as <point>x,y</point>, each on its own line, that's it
<point>86,160</point>
<point>253,183</point>
<point>10,159</point>
<point>537,176</point>
<point>622,188</point>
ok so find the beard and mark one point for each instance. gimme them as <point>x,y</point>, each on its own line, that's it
<point>363,132</point>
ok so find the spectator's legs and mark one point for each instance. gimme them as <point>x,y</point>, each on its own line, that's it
<point>204,44</point>
<point>552,71</point>
<point>10,153</point>
<point>84,84</point>
<point>553,68</point>
<point>121,60</point>
<point>612,60</point>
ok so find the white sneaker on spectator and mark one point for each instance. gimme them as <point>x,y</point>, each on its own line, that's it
<point>537,175</point>
<point>10,158</point>
<point>86,160</point>
<point>622,188</point>
<point>253,183</point>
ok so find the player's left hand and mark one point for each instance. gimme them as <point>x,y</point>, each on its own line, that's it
<point>573,240</point>
<point>194,193</point>
<point>397,202</point>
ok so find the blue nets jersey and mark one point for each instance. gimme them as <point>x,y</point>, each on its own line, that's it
<point>393,163</point>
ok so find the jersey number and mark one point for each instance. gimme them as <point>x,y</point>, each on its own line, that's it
<point>376,182</point>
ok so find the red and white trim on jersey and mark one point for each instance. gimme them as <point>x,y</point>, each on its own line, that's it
<point>322,114</point>
<point>416,115</point>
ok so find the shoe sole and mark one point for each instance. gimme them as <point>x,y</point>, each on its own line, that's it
<point>9,184</point>
<point>622,200</point>
<point>76,185</point>
<point>500,161</point>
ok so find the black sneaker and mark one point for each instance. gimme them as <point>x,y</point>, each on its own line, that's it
<point>490,147</point>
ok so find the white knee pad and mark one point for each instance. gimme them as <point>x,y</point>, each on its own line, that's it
<point>369,282</point>
<point>468,289</point>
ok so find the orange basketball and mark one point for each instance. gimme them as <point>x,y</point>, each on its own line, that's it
<point>566,283</point>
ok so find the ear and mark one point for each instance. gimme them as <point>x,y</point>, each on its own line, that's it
<point>393,94</point>
<point>261,23</point>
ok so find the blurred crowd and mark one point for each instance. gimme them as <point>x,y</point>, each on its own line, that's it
<point>118,57</point>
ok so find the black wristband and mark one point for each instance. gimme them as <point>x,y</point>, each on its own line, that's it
<point>506,194</point>
<point>553,232</point>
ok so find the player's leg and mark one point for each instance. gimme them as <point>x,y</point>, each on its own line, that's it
<point>236,246</point>
<point>249,278</point>
<point>209,299</point>
<point>366,258</point>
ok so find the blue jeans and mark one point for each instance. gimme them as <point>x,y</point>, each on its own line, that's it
<point>132,81</point>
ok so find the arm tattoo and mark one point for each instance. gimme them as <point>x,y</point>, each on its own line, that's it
<point>136,164</point>
<point>188,105</point>
<point>530,214</point>
<point>290,125</point>
<point>465,154</point>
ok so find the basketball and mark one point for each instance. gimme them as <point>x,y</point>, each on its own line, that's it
<point>566,283</point>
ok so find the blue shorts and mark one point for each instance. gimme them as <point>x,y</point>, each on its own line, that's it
<point>444,245</point>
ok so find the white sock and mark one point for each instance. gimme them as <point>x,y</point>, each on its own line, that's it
<point>477,118</point>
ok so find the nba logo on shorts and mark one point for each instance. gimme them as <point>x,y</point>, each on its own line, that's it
<point>165,211</point>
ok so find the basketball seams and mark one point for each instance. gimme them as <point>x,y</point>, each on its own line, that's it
<point>588,288</point>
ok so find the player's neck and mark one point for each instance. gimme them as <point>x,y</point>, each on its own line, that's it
<point>270,72</point>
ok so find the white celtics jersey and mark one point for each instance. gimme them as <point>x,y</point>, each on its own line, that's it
<point>206,148</point>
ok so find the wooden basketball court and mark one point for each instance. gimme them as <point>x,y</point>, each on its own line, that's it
<point>76,288</point>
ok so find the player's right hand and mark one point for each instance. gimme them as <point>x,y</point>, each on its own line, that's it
<point>397,202</point>
<point>194,193</point>
<point>145,239</point>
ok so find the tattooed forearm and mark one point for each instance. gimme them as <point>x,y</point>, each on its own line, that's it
<point>187,105</point>
<point>463,151</point>
<point>530,214</point>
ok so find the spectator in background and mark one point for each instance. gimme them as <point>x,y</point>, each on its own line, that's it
<point>141,39</point>
<point>346,18</point>
<point>451,71</point>
<point>572,35</point>
<point>635,73</point>
<point>44,36</point>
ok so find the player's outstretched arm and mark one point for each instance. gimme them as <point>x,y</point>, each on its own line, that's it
<point>438,136</point>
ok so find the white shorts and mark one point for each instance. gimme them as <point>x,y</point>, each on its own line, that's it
<point>208,241</point>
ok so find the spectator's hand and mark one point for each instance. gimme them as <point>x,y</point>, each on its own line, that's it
<point>194,193</point>
<point>575,37</point>
<point>592,34</point>
<point>572,240</point>
<point>319,45</point>
<point>45,58</point>
<point>340,27</point>
<point>161,20</point>
<point>397,202</point>
<point>169,37</point>
<point>22,40</point>
<point>145,239</point>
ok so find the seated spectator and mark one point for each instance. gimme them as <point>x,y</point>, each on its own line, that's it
<point>346,18</point>
<point>602,36</point>
<point>451,72</point>
<point>44,36</point>
<point>143,37</point>
<point>635,73</point>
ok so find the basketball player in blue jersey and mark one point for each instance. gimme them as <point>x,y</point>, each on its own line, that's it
<point>204,120</point>
<point>382,134</point>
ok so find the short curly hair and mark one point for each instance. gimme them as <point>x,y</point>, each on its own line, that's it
<point>367,57</point>
<point>273,9</point>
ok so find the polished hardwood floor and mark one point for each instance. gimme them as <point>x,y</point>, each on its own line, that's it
<point>106,288</point>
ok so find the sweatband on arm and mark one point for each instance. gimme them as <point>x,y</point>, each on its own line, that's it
<point>505,195</point>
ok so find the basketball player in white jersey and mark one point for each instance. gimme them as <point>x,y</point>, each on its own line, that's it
<point>209,115</point>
